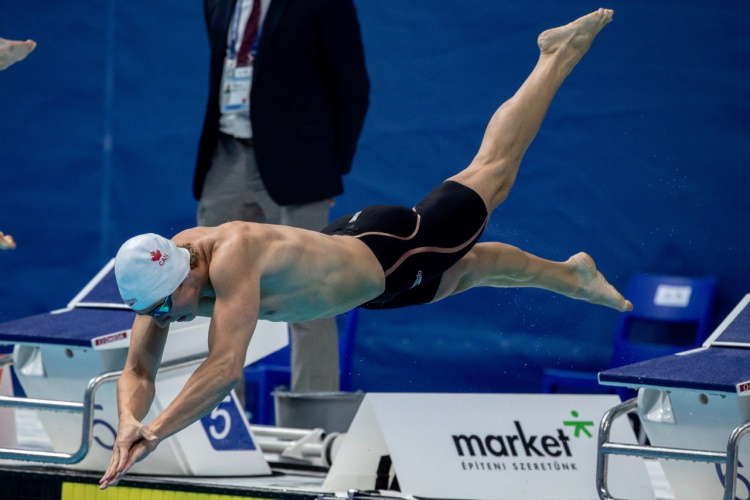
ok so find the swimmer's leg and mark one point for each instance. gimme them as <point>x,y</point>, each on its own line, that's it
<point>500,265</point>
<point>515,124</point>
<point>12,51</point>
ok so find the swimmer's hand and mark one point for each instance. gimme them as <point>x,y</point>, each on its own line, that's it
<point>134,442</point>
<point>6,242</point>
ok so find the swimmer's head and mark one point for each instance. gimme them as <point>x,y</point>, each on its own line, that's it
<point>149,267</point>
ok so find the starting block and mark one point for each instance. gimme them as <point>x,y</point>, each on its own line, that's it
<point>58,355</point>
<point>694,406</point>
<point>7,417</point>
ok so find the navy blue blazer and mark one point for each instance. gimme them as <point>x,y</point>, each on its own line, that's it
<point>308,101</point>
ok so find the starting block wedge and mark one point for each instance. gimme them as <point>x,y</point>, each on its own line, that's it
<point>694,407</point>
<point>58,355</point>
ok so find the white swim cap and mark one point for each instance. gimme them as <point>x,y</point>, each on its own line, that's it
<point>149,267</point>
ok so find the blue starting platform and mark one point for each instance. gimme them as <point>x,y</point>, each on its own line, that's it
<point>89,320</point>
<point>722,365</point>
<point>695,409</point>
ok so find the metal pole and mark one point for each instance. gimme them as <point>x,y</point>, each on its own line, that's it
<point>732,458</point>
<point>605,448</point>
<point>717,457</point>
<point>280,432</point>
<point>605,428</point>
<point>40,404</point>
<point>6,360</point>
<point>85,408</point>
<point>271,446</point>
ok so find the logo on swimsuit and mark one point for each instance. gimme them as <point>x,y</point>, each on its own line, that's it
<point>157,256</point>
<point>418,280</point>
<point>130,302</point>
<point>355,217</point>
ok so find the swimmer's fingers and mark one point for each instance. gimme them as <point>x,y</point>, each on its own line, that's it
<point>111,472</point>
<point>128,435</point>
<point>138,452</point>
<point>122,460</point>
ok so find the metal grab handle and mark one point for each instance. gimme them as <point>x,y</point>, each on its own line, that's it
<point>730,458</point>
<point>277,439</point>
<point>6,360</point>
<point>86,408</point>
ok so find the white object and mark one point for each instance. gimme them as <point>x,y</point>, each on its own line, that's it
<point>673,296</point>
<point>485,447</point>
<point>218,445</point>
<point>148,268</point>
<point>8,438</point>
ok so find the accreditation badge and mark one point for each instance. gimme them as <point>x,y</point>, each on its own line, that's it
<point>235,93</point>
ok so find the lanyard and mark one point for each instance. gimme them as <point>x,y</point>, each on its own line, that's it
<point>256,42</point>
<point>235,30</point>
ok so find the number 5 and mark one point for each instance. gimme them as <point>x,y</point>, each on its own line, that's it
<point>740,477</point>
<point>215,415</point>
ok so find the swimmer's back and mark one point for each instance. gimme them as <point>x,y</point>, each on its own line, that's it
<point>303,274</point>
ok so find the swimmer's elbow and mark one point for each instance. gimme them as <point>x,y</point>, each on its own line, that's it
<point>234,377</point>
<point>228,373</point>
<point>225,364</point>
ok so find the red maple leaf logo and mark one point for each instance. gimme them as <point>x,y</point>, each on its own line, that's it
<point>155,255</point>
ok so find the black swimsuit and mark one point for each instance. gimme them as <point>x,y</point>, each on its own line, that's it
<point>415,246</point>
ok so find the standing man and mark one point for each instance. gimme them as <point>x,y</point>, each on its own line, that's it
<point>287,100</point>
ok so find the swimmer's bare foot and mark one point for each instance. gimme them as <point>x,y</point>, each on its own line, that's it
<point>6,242</point>
<point>11,51</point>
<point>574,39</point>
<point>593,287</point>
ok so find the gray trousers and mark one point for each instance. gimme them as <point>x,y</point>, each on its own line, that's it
<point>234,191</point>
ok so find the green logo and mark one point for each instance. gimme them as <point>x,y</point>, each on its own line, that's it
<point>579,425</point>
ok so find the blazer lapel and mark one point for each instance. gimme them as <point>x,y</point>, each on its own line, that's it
<point>219,16</point>
<point>273,16</point>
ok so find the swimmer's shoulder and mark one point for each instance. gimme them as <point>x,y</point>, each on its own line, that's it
<point>192,234</point>
<point>225,231</point>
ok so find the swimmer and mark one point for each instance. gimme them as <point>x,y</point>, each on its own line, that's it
<point>6,242</point>
<point>381,257</point>
<point>12,51</point>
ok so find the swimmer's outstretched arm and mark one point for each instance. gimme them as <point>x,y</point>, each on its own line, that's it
<point>12,51</point>
<point>235,315</point>
<point>135,393</point>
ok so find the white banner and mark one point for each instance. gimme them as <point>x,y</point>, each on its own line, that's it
<point>485,447</point>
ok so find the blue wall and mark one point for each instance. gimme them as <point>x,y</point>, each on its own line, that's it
<point>642,160</point>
